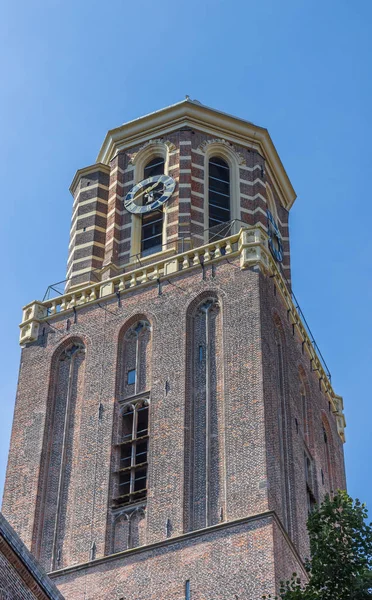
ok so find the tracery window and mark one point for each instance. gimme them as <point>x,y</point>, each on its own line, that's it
<point>53,545</point>
<point>136,359</point>
<point>218,195</point>
<point>152,222</point>
<point>133,444</point>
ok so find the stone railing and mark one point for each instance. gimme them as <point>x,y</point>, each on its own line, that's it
<point>35,312</point>
<point>250,244</point>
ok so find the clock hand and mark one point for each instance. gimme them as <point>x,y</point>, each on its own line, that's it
<point>147,190</point>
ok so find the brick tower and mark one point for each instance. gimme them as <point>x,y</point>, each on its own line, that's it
<point>174,421</point>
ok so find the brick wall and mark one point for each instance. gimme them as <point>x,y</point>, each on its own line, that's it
<point>224,564</point>
<point>21,578</point>
<point>250,314</point>
<point>297,369</point>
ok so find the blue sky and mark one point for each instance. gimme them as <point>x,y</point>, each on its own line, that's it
<point>73,70</point>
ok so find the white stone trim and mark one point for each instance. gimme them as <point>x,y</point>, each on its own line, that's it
<point>116,170</point>
<point>88,188</point>
<point>245,168</point>
<point>79,260</point>
<point>81,271</point>
<point>118,227</point>
<point>86,245</point>
<point>93,212</point>
<point>85,202</point>
<point>253,182</point>
<point>89,228</point>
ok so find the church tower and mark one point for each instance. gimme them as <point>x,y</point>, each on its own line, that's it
<point>175,421</point>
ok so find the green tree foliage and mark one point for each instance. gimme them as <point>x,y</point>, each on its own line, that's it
<point>341,554</point>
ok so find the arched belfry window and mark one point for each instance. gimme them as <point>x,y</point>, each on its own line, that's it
<point>219,209</point>
<point>152,222</point>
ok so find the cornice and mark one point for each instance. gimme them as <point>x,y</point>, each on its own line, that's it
<point>191,114</point>
<point>98,166</point>
<point>269,516</point>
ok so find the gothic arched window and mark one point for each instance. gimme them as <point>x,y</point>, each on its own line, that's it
<point>204,442</point>
<point>152,222</point>
<point>136,359</point>
<point>67,393</point>
<point>218,196</point>
<point>131,424</point>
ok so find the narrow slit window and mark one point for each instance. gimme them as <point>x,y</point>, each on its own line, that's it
<point>142,421</point>
<point>304,411</point>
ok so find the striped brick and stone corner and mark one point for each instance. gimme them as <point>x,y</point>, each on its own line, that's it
<point>89,223</point>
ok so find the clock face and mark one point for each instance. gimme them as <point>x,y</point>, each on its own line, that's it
<point>149,194</point>
<point>275,239</point>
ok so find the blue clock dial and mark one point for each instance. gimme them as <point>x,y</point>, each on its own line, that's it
<point>149,194</point>
<point>275,239</point>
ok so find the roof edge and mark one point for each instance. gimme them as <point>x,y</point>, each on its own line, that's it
<point>98,166</point>
<point>200,116</point>
<point>18,547</point>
